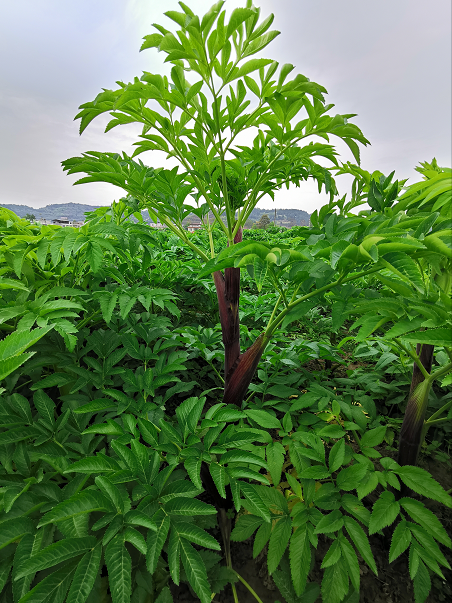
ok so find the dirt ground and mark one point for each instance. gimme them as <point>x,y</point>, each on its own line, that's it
<point>393,584</point>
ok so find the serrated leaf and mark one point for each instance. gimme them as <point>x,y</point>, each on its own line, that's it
<point>330,523</point>
<point>337,455</point>
<point>156,540</point>
<point>315,472</point>
<point>85,576</point>
<point>261,538</point>
<point>14,529</point>
<point>138,518</point>
<point>422,483</point>
<point>333,555</point>
<point>373,437</point>
<point>279,539</point>
<point>384,512</point>
<point>188,506</point>
<point>83,502</point>
<point>275,458</point>
<point>218,474</point>
<point>263,418</point>
<point>53,587</point>
<point>349,478</point>
<point>195,571</point>
<point>421,584</point>
<point>258,505</point>
<point>244,528</point>
<point>300,559</point>
<point>335,583</point>
<point>400,541</point>
<point>94,464</point>
<point>351,560</point>
<point>197,535</point>
<point>56,553</point>
<point>425,518</point>
<point>119,566</point>
<point>361,542</point>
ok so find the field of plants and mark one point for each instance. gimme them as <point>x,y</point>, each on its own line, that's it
<point>230,415</point>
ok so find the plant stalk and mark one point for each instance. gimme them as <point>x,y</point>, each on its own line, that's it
<point>412,432</point>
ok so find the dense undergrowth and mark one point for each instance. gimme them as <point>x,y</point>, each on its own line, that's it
<point>105,428</point>
<point>166,394</point>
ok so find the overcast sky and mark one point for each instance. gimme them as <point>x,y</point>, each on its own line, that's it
<point>389,61</point>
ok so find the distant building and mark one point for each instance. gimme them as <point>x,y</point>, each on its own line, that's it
<point>63,221</point>
<point>158,226</point>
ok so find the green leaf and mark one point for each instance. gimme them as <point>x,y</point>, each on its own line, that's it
<point>56,553</point>
<point>195,570</point>
<point>136,538</point>
<point>218,474</point>
<point>137,518</point>
<point>14,529</point>
<point>260,272</point>
<point>119,566</point>
<point>400,541</point>
<point>351,560</point>
<point>438,337</point>
<point>337,455</point>
<point>111,491</point>
<point>5,568</point>
<point>297,312</point>
<point>197,535</point>
<point>52,588</point>
<point>257,504</point>
<point>275,458</point>
<point>335,583</point>
<point>24,550</point>
<point>83,502</point>
<point>246,526</point>
<point>11,364</point>
<point>85,576</point>
<point>174,556</point>
<point>156,540</point>
<point>94,256</point>
<point>250,66</point>
<point>373,437</point>
<point>94,464</point>
<point>237,456</point>
<point>349,478</point>
<point>45,406</point>
<point>333,554</point>
<point>238,16</point>
<point>384,512</point>
<point>330,523</point>
<point>279,540</point>
<point>423,483</point>
<point>188,506</point>
<point>300,559</point>
<point>315,472</point>
<point>261,538</point>
<point>361,542</point>
<point>263,418</point>
<point>425,518</point>
<point>421,584</point>
<point>17,342</point>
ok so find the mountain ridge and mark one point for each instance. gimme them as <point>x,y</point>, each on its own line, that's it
<point>76,211</point>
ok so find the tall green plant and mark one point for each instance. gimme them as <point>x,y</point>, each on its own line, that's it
<point>199,123</point>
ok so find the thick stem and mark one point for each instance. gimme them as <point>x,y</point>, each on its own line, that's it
<point>410,439</point>
<point>228,294</point>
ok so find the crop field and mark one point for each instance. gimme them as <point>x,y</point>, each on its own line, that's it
<point>230,415</point>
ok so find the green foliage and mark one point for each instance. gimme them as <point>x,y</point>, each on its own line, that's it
<point>120,449</point>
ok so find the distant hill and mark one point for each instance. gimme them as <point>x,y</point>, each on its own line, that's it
<point>298,216</point>
<point>73,211</point>
<point>76,211</point>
